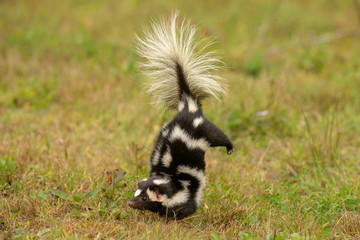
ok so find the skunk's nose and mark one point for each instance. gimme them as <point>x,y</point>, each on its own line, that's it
<point>131,204</point>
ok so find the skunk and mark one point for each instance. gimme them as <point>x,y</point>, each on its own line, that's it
<point>178,76</point>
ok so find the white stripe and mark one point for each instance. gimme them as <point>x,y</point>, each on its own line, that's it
<point>200,176</point>
<point>198,121</point>
<point>160,181</point>
<point>137,193</point>
<point>190,142</point>
<point>167,158</point>
<point>144,180</point>
<point>165,132</point>
<point>165,129</point>
<point>165,125</point>
<point>155,159</point>
<point>192,105</point>
<point>152,196</point>
<point>179,198</point>
<point>181,106</point>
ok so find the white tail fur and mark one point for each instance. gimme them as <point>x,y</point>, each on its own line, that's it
<point>171,43</point>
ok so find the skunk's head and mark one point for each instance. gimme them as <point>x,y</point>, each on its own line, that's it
<point>151,193</point>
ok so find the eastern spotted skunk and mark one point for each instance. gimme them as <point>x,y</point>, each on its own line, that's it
<point>178,77</point>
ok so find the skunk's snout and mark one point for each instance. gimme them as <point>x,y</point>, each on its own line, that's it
<point>131,204</point>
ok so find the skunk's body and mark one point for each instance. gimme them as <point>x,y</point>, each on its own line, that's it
<point>178,77</point>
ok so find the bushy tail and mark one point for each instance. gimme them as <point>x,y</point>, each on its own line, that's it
<point>174,64</point>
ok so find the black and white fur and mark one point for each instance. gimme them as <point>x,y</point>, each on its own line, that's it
<point>178,77</point>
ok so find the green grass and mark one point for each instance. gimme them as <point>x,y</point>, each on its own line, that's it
<point>72,108</point>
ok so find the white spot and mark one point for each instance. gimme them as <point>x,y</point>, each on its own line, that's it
<point>165,129</point>
<point>137,193</point>
<point>165,132</point>
<point>200,176</point>
<point>160,181</point>
<point>192,105</point>
<point>145,179</point>
<point>198,121</point>
<point>165,125</point>
<point>262,113</point>
<point>152,196</point>
<point>167,158</point>
<point>181,106</point>
<point>190,142</point>
<point>179,198</point>
<point>156,156</point>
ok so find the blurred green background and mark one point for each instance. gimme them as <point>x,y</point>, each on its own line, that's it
<point>72,107</point>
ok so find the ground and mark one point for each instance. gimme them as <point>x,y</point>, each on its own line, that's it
<point>72,107</point>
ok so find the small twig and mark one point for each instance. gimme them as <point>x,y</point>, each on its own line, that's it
<point>329,37</point>
<point>263,155</point>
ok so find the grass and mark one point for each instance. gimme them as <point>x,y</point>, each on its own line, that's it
<point>72,108</point>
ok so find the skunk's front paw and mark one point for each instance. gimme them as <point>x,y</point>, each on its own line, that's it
<point>230,150</point>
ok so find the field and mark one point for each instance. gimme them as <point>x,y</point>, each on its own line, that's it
<point>73,107</point>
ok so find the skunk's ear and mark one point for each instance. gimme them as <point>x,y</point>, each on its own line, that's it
<point>142,183</point>
<point>157,190</point>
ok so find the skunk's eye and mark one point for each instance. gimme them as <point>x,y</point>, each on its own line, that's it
<point>144,198</point>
